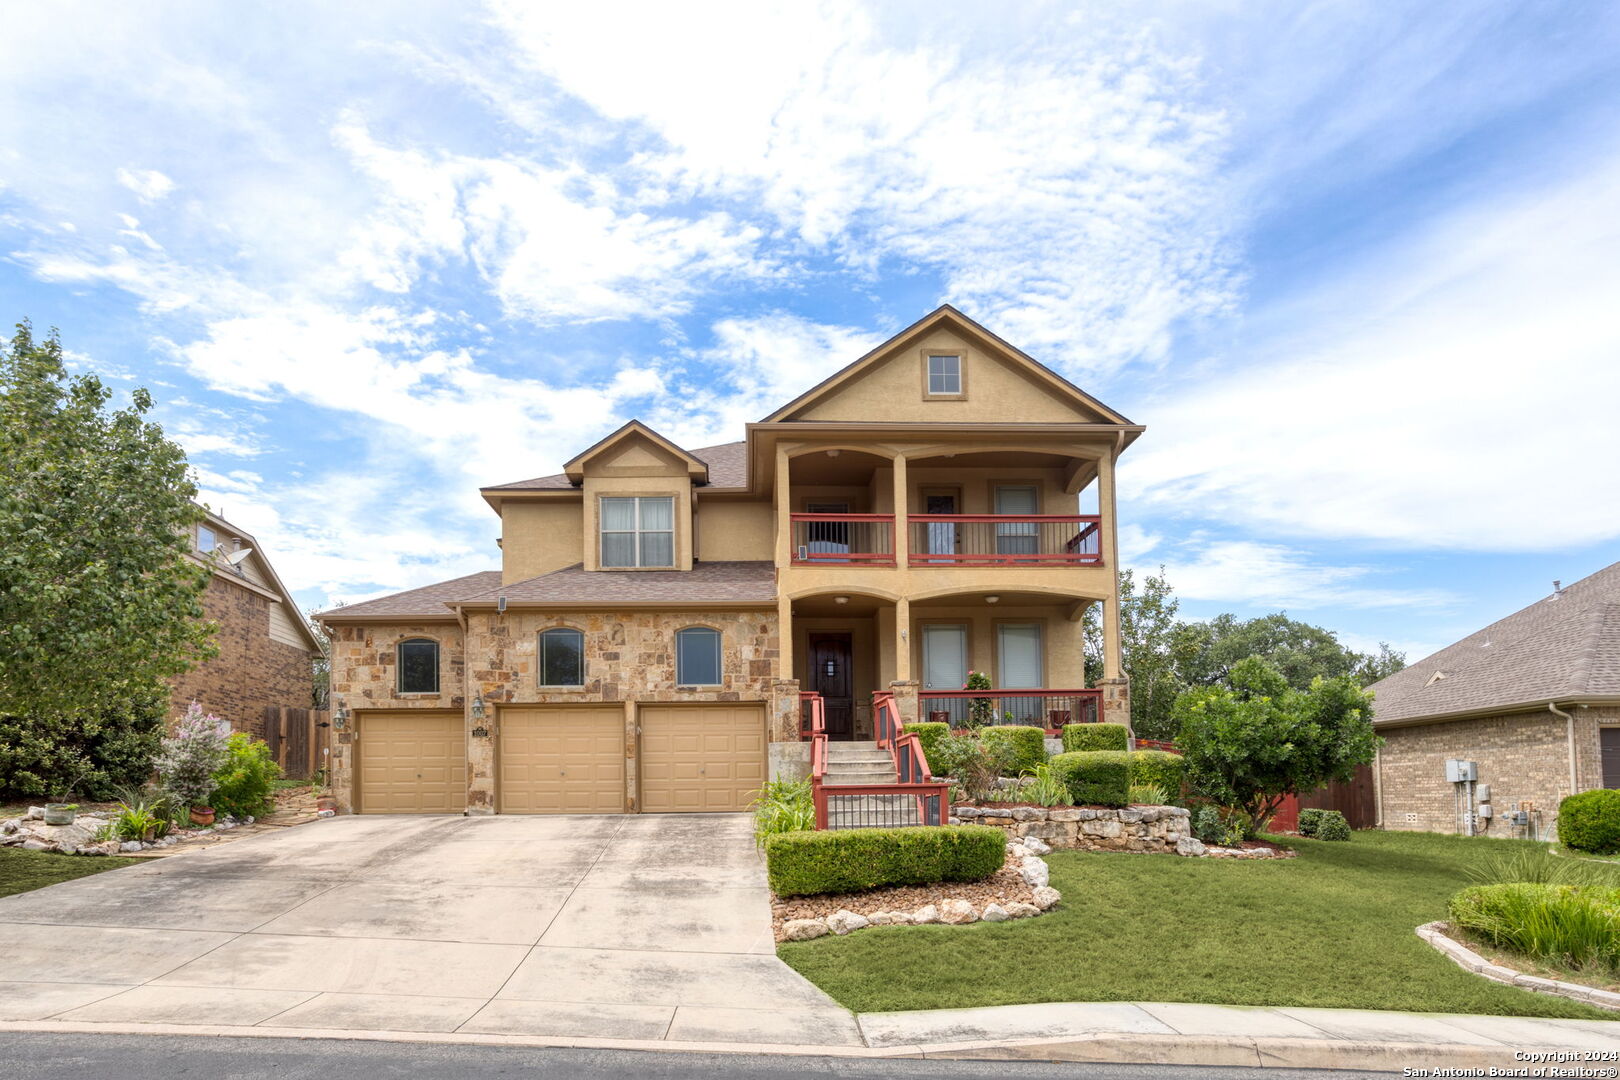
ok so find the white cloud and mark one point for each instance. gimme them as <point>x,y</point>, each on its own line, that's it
<point>1247,572</point>
<point>149,185</point>
<point>1455,391</point>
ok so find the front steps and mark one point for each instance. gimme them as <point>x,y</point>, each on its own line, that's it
<point>856,763</point>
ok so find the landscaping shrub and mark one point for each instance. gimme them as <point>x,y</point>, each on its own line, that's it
<point>1160,769</point>
<point>975,765</point>
<point>1220,825</point>
<point>93,753</point>
<point>190,758</point>
<point>1079,737</point>
<point>1146,795</point>
<point>850,860</point>
<point>929,736</point>
<point>1026,746</point>
<point>1332,826</point>
<point>1569,924</point>
<point>783,806</point>
<point>1308,820</point>
<point>1097,777</point>
<point>1043,786</point>
<point>242,786</point>
<point>1590,821</point>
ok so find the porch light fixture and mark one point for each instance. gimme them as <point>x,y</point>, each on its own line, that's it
<point>478,706</point>
<point>340,717</point>
<point>993,598</point>
<point>840,599</point>
<point>834,453</point>
<point>831,669</point>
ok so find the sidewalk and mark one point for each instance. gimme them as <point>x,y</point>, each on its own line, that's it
<point>1158,1033</point>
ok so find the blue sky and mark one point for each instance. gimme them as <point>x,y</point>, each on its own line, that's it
<point>1354,265</point>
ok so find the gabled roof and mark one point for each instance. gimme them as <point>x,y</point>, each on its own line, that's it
<point>425,602</point>
<point>1563,648</point>
<point>575,469</point>
<point>272,588</point>
<point>727,466</point>
<point>947,316</point>
<point>711,584</point>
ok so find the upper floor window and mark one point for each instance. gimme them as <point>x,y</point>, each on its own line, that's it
<point>562,657</point>
<point>205,539</point>
<point>419,666</point>
<point>697,656</point>
<point>944,375</point>
<point>638,531</point>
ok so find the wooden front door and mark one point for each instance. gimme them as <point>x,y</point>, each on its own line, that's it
<point>830,676</point>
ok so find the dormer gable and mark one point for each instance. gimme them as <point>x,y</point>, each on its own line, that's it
<point>946,368</point>
<point>636,450</point>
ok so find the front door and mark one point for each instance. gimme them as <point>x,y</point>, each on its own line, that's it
<point>830,656</point>
<point>941,534</point>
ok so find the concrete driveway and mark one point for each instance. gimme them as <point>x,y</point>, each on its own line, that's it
<point>635,927</point>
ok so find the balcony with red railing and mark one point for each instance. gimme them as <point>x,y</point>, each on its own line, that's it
<point>831,539</point>
<point>1005,539</point>
<point>1049,709</point>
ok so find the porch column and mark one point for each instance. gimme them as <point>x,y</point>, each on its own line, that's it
<point>784,508</point>
<point>1108,542</point>
<point>902,532</point>
<point>902,643</point>
<point>784,638</point>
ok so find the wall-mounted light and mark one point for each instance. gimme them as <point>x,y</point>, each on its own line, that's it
<point>993,598</point>
<point>831,668</point>
<point>478,706</point>
<point>840,599</point>
<point>340,717</point>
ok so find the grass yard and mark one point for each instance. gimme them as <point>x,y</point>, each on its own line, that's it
<point>1331,928</point>
<point>23,871</point>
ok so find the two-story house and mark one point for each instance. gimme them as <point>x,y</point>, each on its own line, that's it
<point>659,609</point>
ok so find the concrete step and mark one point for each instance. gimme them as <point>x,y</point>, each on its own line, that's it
<point>861,759</point>
<point>835,779</point>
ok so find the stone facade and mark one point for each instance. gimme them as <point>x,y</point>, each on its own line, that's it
<point>252,672</point>
<point>1524,757</point>
<point>1163,829</point>
<point>365,675</point>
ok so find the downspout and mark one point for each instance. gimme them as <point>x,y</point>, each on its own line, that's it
<point>1569,720</point>
<point>1378,789</point>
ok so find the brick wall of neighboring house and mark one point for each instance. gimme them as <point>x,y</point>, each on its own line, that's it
<point>252,671</point>
<point>1524,757</point>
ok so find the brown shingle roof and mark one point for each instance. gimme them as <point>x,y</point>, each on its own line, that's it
<point>728,468</point>
<point>705,583</point>
<point>1562,648</point>
<point>429,600</point>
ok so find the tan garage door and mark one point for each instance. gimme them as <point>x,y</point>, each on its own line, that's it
<point>412,762</point>
<point>562,759</point>
<point>701,758</point>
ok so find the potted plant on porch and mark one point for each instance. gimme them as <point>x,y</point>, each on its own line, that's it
<point>188,761</point>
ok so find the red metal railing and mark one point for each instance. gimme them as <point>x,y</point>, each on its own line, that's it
<point>1005,539</point>
<point>861,804</point>
<point>1049,709</point>
<point>843,538</point>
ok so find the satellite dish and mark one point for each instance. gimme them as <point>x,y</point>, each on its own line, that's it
<point>235,557</point>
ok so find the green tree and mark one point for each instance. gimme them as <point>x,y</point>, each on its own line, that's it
<point>1255,740</point>
<point>1301,652</point>
<point>99,604</point>
<point>1152,647</point>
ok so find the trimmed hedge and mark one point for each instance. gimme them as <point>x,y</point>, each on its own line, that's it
<point>930,735</point>
<point>1590,821</point>
<point>850,860</point>
<point>1080,737</point>
<point>1026,745</point>
<point>1160,768</point>
<point>1323,824</point>
<point>1095,777</point>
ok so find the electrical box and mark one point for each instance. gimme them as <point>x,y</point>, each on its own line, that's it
<point>1517,817</point>
<point>1485,810</point>
<point>1460,772</point>
<point>1482,792</point>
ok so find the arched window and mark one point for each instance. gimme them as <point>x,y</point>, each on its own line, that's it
<point>418,666</point>
<point>697,656</point>
<point>562,657</point>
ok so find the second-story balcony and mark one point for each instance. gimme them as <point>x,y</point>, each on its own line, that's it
<point>1005,539</point>
<point>843,538</point>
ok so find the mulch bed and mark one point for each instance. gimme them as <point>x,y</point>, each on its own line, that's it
<point>1005,886</point>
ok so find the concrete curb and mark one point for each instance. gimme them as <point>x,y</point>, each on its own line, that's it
<point>1116,1048</point>
<point>1469,960</point>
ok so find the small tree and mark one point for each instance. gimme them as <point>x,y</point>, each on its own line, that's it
<point>191,756</point>
<point>981,711</point>
<point>1254,741</point>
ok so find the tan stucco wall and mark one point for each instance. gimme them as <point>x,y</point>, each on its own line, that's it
<point>540,537</point>
<point>1061,640</point>
<point>596,487</point>
<point>1522,756</point>
<point>730,531</point>
<point>893,391</point>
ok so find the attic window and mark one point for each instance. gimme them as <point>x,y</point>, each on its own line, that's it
<point>205,539</point>
<point>1436,677</point>
<point>944,375</point>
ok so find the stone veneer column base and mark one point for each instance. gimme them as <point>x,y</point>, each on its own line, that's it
<point>1116,702</point>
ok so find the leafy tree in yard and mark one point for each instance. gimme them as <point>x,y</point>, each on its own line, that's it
<point>1255,740</point>
<point>98,603</point>
<point>1300,651</point>
<point>1151,646</point>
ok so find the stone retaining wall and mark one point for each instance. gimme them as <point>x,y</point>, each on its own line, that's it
<point>1165,829</point>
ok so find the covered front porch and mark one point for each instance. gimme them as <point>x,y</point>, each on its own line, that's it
<point>847,645</point>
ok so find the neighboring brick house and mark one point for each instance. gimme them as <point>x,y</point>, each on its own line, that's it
<point>1533,699</point>
<point>659,610</point>
<point>266,649</point>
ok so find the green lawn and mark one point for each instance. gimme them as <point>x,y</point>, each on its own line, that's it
<point>22,871</point>
<point>1331,928</point>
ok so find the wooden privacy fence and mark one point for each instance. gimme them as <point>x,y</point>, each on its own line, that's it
<point>298,739</point>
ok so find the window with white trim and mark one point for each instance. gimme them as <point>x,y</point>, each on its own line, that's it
<point>562,657</point>
<point>638,531</point>
<point>697,656</point>
<point>945,374</point>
